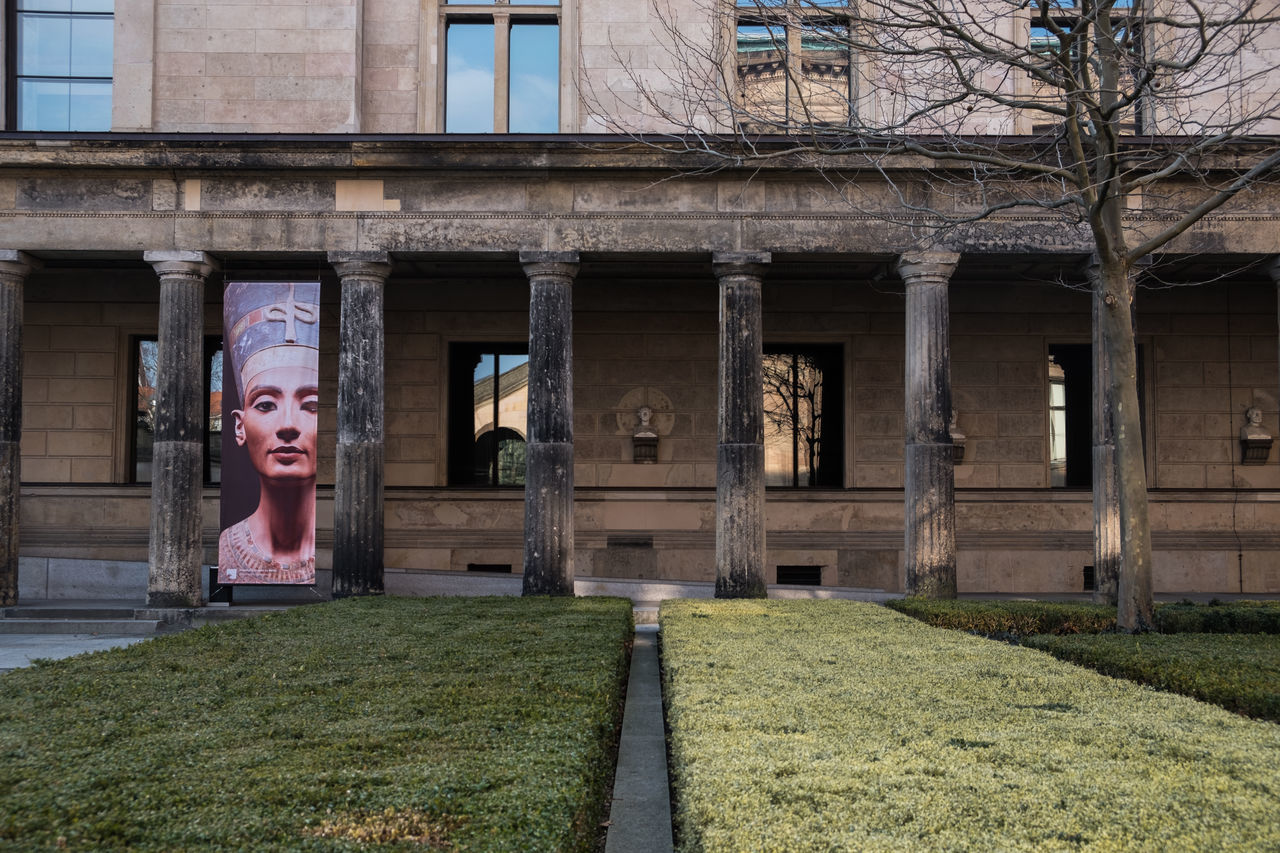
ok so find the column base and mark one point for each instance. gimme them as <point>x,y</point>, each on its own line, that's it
<point>740,530</point>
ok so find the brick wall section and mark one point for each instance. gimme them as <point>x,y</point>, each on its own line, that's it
<point>1214,356</point>
<point>390,74</point>
<point>281,67</point>
<point>70,393</point>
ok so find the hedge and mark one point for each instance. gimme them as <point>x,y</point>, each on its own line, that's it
<point>833,725</point>
<point>1240,672</point>
<point>1237,617</point>
<point>1008,618</point>
<point>477,724</point>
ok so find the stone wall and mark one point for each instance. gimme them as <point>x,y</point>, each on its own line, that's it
<point>249,67</point>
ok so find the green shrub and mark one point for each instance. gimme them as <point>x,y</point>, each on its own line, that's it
<point>832,725</point>
<point>1009,618</point>
<point>1238,617</point>
<point>483,724</point>
<point>1240,672</point>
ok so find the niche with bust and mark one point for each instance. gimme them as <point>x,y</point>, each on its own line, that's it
<point>1255,440</point>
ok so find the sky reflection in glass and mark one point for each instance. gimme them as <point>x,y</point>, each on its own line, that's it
<point>535,78</point>
<point>469,78</point>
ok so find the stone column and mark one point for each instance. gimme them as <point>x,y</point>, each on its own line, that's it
<point>176,552</point>
<point>548,479</point>
<point>15,266</point>
<point>929,474</point>
<point>740,427</point>
<point>357,496</point>
<point>1106,482</point>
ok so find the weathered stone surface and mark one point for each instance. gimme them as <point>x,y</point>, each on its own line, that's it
<point>361,454</point>
<point>929,474</point>
<point>15,267</point>
<point>548,524</point>
<point>740,532</point>
<point>175,553</point>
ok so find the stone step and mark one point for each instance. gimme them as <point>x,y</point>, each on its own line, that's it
<point>47,612</point>
<point>101,627</point>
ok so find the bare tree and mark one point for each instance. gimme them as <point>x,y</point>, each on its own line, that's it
<point>793,410</point>
<point>1088,108</point>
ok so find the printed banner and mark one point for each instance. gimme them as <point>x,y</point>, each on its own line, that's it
<point>268,520</point>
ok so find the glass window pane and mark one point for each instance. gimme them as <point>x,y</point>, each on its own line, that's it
<point>92,5</point>
<point>91,46</point>
<point>145,412</point>
<point>43,104</point>
<point>762,69</point>
<point>90,106</point>
<point>471,2</point>
<point>44,45</point>
<point>534,88</point>
<point>808,417</point>
<point>213,437</point>
<point>469,78</point>
<point>483,402</point>
<point>535,2</point>
<point>779,435</point>
<point>44,5</point>
<point>513,418</point>
<point>824,75</point>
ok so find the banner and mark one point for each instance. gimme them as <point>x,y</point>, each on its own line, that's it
<point>268,514</point>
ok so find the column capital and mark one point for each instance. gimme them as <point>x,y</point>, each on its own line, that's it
<point>363,265</point>
<point>557,265</point>
<point>740,263</point>
<point>927,267</point>
<point>181,263</point>
<point>17,263</point>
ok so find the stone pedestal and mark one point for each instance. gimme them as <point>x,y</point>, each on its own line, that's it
<point>740,521</point>
<point>15,266</point>
<point>361,452</point>
<point>177,478</point>
<point>929,473</point>
<point>548,480</point>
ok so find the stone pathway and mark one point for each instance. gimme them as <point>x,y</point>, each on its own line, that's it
<point>640,815</point>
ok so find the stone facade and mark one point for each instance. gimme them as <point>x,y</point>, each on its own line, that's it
<point>448,222</point>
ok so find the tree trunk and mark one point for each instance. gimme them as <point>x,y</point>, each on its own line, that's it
<point>1134,588</point>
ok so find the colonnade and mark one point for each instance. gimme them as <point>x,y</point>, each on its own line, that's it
<point>175,538</point>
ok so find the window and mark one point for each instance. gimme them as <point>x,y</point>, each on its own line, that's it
<point>1052,21</point>
<point>1071,414</point>
<point>793,63</point>
<point>802,424</point>
<point>502,66</point>
<point>488,411</point>
<point>60,73</point>
<point>145,368</point>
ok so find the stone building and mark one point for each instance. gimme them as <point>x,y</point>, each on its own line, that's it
<point>177,145</point>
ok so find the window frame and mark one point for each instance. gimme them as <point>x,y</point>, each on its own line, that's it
<point>211,345</point>
<point>433,57</point>
<point>791,16</point>
<point>12,77</point>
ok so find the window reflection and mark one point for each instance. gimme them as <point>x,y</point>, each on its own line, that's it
<point>468,96</point>
<point>63,64</point>
<point>800,388</point>
<point>146,372</point>
<point>500,397</point>
<point>534,90</point>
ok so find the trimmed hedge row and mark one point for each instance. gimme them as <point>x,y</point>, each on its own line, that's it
<point>1016,618</point>
<point>1025,618</point>
<point>477,724</point>
<point>1237,617</point>
<point>834,725</point>
<point>1240,672</point>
